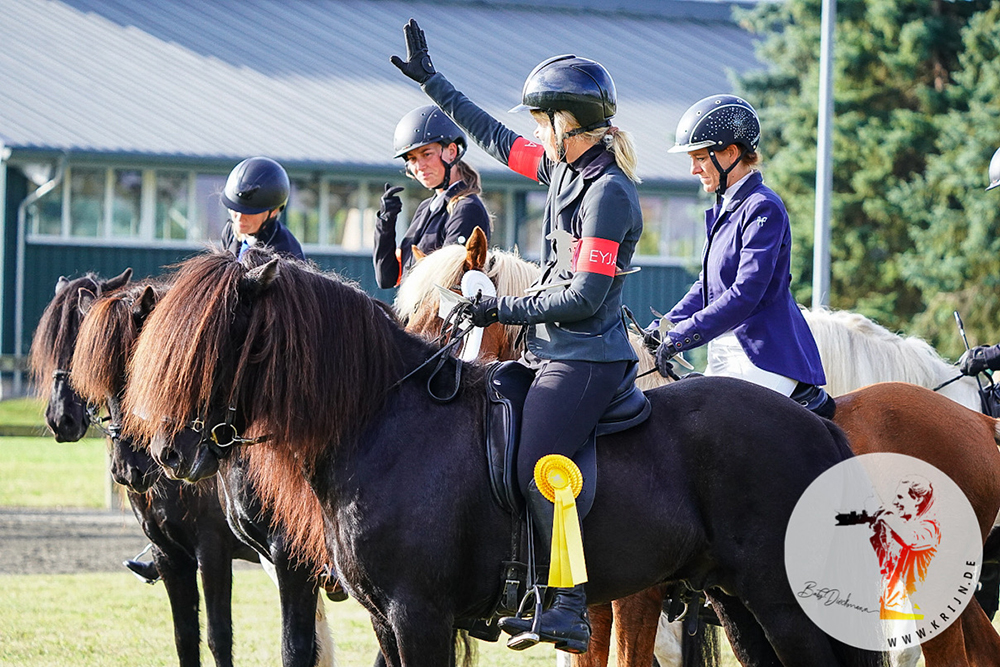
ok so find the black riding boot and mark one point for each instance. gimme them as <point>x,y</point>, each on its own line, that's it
<point>565,623</point>
<point>145,570</point>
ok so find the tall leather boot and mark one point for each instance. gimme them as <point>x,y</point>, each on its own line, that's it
<point>566,623</point>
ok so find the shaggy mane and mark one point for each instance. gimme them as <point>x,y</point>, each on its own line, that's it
<point>105,343</point>
<point>417,300</point>
<point>52,344</point>
<point>312,365</point>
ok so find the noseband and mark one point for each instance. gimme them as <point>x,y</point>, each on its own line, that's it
<point>219,438</point>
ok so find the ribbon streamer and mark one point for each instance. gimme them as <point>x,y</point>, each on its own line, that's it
<point>560,481</point>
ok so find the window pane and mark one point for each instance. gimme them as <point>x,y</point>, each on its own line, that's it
<point>86,201</point>
<point>495,201</point>
<point>346,226</point>
<point>46,213</point>
<point>302,213</point>
<point>126,211</point>
<point>172,205</point>
<point>210,215</point>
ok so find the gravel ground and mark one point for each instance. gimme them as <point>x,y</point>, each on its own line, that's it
<point>36,541</point>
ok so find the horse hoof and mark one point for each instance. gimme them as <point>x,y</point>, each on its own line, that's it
<point>522,641</point>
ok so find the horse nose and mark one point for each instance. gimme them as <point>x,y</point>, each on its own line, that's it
<point>66,429</point>
<point>169,458</point>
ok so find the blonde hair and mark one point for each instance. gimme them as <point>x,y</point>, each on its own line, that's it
<point>618,142</point>
<point>469,176</point>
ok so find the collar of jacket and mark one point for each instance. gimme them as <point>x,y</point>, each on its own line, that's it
<point>266,233</point>
<point>440,202</point>
<point>748,186</point>
<point>593,162</point>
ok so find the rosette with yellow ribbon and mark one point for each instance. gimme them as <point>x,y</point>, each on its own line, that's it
<point>559,480</point>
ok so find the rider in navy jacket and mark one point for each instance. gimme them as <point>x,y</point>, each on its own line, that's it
<point>577,339</point>
<point>256,193</point>
<point>432,146</point>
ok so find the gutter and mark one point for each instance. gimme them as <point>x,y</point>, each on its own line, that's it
<point>22,211</point>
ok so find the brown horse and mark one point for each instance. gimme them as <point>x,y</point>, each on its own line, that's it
<point>890,417</point>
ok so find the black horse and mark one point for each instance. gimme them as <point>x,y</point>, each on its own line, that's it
<point>187,523</point>
<point>700,493</point>
<point>52,352</point>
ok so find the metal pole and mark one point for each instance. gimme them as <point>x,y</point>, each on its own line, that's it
<point>824,160</point>
<point>22,231</point>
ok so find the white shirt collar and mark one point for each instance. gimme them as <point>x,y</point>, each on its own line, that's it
<point>731,190</point>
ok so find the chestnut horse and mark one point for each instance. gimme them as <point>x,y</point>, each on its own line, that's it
<point>855,352</point>
<point>309,368</point>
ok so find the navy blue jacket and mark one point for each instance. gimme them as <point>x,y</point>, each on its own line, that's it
<point>744,287</point>
<point>431,228</point>
<point>272,234</point>
<point>597,206</point>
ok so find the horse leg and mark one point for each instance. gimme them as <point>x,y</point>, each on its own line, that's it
<point>216,564</point>
<point>180,578</point>
<point>746,636</point>
<point>423,633</point>
<point>636,620</point>
<point>389,654</point>
<point>600,640</point>
<point>298,592</point>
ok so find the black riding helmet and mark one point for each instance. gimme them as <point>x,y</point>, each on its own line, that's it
<point>429,125</point>
<point>256,185</point>
<point>716,122</point>
<point>580,86</point>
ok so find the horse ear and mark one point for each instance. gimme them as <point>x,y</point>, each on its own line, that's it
<point>117,281</point>
<point>417,253</point>
<point>475,250</point>
<point>144,306</point>
<point>61,284</point>
<point>84,300</point>
<point>264,275</point>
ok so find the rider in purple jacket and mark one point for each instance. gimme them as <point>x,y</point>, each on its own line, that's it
<point>741,304</point>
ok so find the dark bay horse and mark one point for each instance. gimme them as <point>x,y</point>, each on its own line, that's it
<point>888,417</point>
<point>313,367</point>
<point>186,522</point>
<point>52,353</point>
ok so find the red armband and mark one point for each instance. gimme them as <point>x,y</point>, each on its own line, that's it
<point>595,255</point>
<point>524,157</point>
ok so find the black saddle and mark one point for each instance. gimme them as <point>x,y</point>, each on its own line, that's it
<point>507,384</point>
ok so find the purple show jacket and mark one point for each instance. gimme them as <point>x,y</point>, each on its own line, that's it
<point>746,268</point>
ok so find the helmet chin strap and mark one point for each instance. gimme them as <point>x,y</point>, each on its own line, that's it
<point>561,139</point>
<point>720,191</point>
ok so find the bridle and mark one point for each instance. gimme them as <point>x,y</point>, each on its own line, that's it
<point>451,337</point>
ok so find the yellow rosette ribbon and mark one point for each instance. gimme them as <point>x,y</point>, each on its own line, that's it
<point>561,481</point>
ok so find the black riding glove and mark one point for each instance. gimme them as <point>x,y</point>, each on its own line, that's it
<point>979,359</point>
<point>483,311</point>
<point>664,353</point>
<point>418,63</point>
<point>388,209</point>
<point>651,337</point>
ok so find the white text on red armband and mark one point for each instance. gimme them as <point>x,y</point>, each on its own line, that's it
<point>524,157</point>
<point>596,255</point>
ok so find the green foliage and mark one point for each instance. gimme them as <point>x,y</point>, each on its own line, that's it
<point>906,77</point>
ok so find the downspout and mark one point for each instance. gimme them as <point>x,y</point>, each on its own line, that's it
<point>4,156</point>
<point>22,231</point>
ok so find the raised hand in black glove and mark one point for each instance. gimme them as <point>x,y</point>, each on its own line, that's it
<point>664,353</point>
<point>979,359</point>
<point>389,207</point>
<point>417,65</point>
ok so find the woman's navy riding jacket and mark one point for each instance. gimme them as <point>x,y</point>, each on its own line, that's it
<point>744,287</point>
<point>597,205</point>
<point>431,228</point>
<point>272,234</point>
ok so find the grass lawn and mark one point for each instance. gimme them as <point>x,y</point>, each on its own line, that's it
<point>104,620</point>
<point>23,412</point>
<point>40,472</point>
